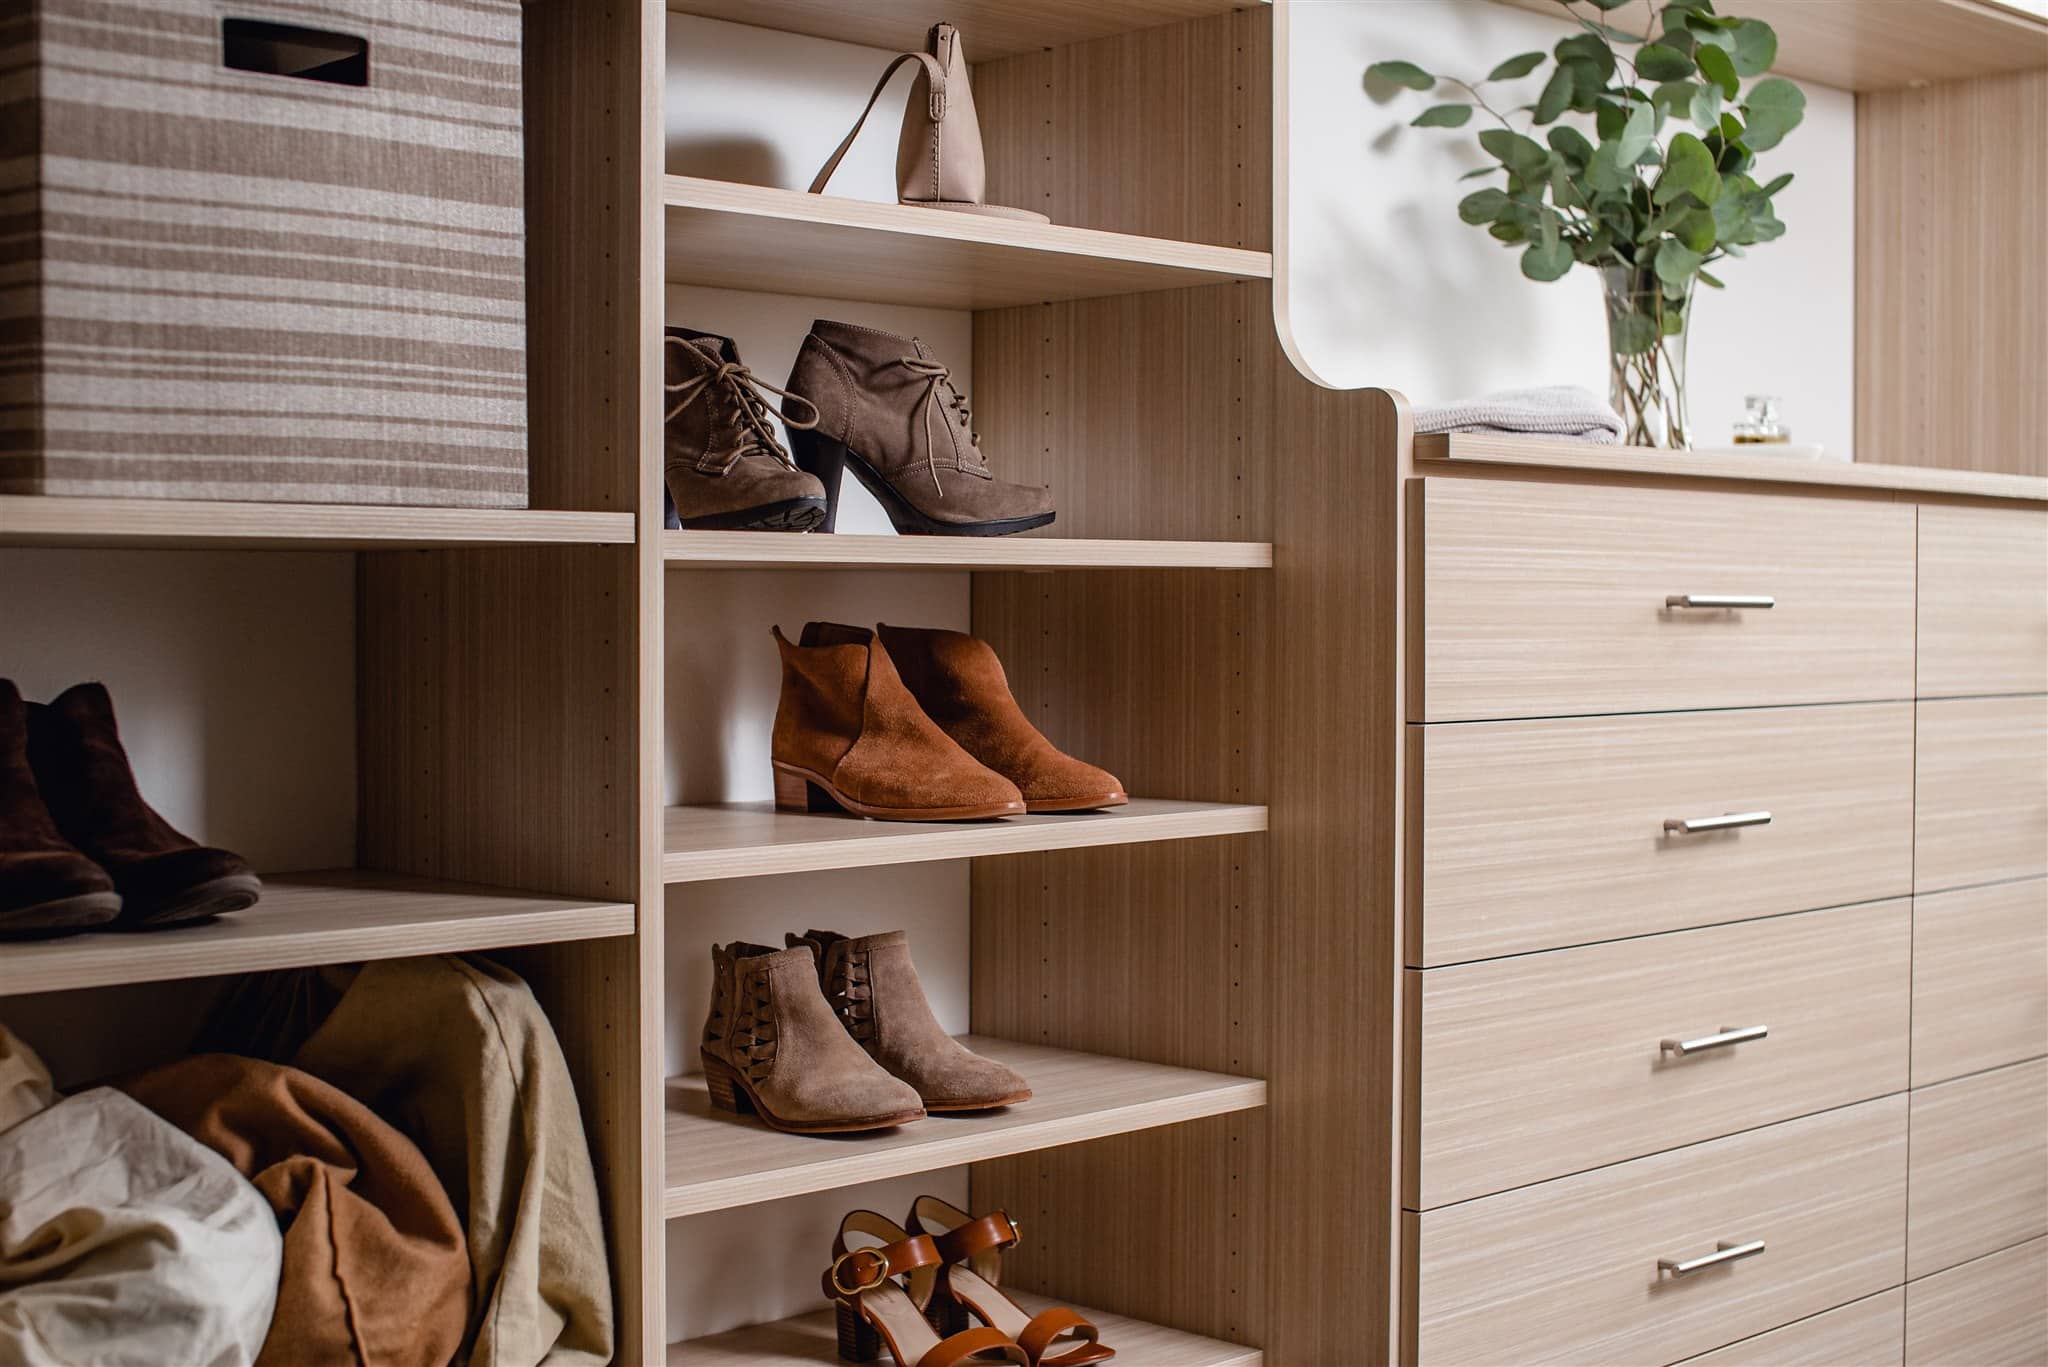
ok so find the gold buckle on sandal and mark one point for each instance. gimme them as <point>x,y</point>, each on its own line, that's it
<point>881,1271</point>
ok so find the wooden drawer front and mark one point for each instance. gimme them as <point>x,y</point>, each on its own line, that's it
<point>1868,1333</point>
<point>1544,600</point>
<point>1544,1064</point>
<point>1980,1166</point>
<point>1566,1272</point>
<point>1980,810</point>
<point>1983,601</point>
<point>1537,834</point>
<point>1989,1313</point>
<point>1980,979</point>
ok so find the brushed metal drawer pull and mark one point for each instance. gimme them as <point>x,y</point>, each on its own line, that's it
<point>1728,821</point>
<point>1720,600</point>
<point>1728,1035</point>
<point>1724,1252</point>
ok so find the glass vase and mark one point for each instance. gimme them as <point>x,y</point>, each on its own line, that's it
<point>1646,330</point>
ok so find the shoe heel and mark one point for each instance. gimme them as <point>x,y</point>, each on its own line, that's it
<point>795,793</point>
<point>858,1341</point>
<point>825,459</point>
<point>947,1317</point>
<point>726,1092</point>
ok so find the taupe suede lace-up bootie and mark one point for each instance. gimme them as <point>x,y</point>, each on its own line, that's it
<point>773,1046</point>
<point>872,985</point>
<point>724,467</point>
<point>886,408</point>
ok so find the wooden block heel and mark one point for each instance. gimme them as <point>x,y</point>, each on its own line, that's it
<point>726,1092</point>
<point>795,793</point>
<point>858,1341</point>
<point>947,1317</point>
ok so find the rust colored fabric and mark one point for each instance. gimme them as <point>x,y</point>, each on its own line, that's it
<point>376,1272</point>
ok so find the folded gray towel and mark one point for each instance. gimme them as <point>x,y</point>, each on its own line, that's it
<point>1559,410</point>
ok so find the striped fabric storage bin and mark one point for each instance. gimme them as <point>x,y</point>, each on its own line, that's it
<point>269,251</point>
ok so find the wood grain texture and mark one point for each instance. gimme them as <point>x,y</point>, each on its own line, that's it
<point>717,1160</point>
<point>1539,1065</point>
<point>1980,979</point>
<point>750,237</point>
<point>993,28</point>
<point>1475,452</point>
<point>1537,834</point>
<point>747,840</point>
<point>303,919</point>
<point>1980,811</point>
<point>1950,349</point>
<point>1983,602</point>
<point>1549,600</point>
<point>1566,1272</point>
<point>1868,1333</point>
<point>1980,1166</point>
<point>773,550</point>
<point>1992,1312</point>
<point>129,523</point>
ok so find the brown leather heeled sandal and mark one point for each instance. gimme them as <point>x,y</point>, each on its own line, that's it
<point>873,1307</point>
<point>970,1283</point>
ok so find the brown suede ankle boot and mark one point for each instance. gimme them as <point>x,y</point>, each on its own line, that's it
<point>164,878</point>
<point>722,463</point>
<point>772,1045</point>
<point>887,409</point>
<point>47,886</point>
<point>848,733</point>
<point>873,985</point>
<point>960,684</point>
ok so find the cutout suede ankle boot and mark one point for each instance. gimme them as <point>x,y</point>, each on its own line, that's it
<point>848,734</point>
<point>872,985</point>
<point>47,885</point>
<point>164,877</point>
<point>960,684</point>
<point>773,1046</point>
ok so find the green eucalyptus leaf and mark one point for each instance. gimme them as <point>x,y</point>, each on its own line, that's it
<point>1609,32</point>
<point>1402,74</point>
<point>1712,280</point>
<point>1516,67</point>
<point>1609,118</point>
<point>1718,67</point>
<point>1774,108</point>
<point>1755,47</point>
<point>1638,135</point>
<point>1570,144</point>
<point>1508,232</point>
<point>1482,206</point>
<point>1605,171</point>
<point>1696,230</point>
<point>1522,155</point>
<point>1673,95</point>
<point>1482,171</point>
<point>1674,320</point>
<point>1584,47</point>
<point>1632,333</point>
<point>1688,169</point>
<point>1676,262</point>
<point>1443,116</point>
<point>1731,128</point>
<point>1777,183</point>
<point>1556,96</point>
<point>1706,107</point>
<point>1547,260</point>
<point>1656,62</point>
<point>1609,4</point>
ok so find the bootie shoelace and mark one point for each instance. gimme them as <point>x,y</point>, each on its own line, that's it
<point>938,378</point>
<point>741,385</point>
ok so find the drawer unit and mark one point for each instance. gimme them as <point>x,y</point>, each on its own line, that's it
<point>1980,979</point>
<point>1980,1166</point>
<point>1989,1313</point>
<point>1980,807</point>
<point>1573,1271</point>
<point>1539,600</point>
<point>1537,834</point>
<point>1544,1064</point>
<point>1983,601</point>
<point>1868,1333</point>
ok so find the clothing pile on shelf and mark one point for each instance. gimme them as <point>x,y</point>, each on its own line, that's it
<point>1550,411</point>
<point>380,1166</point>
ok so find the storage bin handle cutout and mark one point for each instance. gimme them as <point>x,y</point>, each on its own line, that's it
<point>311,54</point>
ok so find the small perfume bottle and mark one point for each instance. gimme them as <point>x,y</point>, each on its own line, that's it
<point>1760,425</point>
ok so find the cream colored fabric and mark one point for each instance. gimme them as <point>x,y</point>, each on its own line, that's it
<point>126,1243</point>
<point>25,1088</point>
<point>458,1054</point>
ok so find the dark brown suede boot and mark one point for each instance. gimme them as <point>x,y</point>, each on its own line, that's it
<point>722,463</point>
<point>163,877</point>
<point>848,733</point>
<point>873,985</point>
<point>47,886</point>
<point>960,684</point>
<point>772,1045</point>
<point>887,409</point>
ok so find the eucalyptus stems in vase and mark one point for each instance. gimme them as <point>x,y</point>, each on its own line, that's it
<point>1664,188</point>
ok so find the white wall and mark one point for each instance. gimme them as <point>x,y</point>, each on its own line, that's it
<point>1387,287</point>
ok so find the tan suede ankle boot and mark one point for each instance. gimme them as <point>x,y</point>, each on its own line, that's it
<point>887,410</point>
<point>848,734</point>
<point>772,1045</point>
<point>872,985</point>
<point>721,461</point>
<point>960,684</point>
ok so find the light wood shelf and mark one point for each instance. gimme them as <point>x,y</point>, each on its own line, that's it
<point>810,1341</point>
<point>341,916</point>
<point>717,1160</point>
<point>113,523</point>
<point>752,237</point>
<point>780,550</point>
<point>749,839</point>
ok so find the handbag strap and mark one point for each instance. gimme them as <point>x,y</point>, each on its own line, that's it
<point>932,68</point>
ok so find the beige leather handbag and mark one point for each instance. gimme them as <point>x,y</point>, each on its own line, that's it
<point>939,162</point>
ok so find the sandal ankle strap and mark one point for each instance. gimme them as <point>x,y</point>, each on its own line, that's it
<point>855,1271</point>
<point>995,1230</point>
